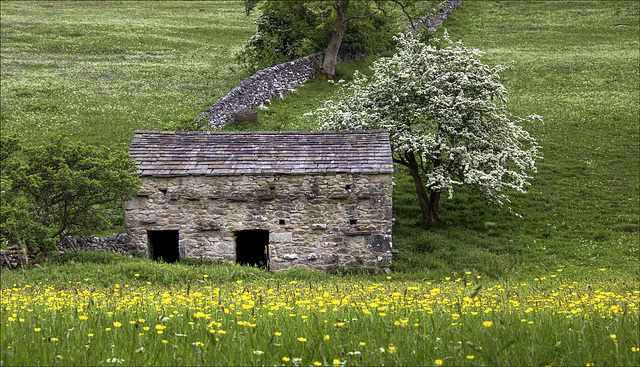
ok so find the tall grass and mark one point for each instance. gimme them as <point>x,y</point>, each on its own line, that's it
<point>233,315</point>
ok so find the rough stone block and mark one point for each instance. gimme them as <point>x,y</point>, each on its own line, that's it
<point>205,225</point>
<point>282,237</point>
<point>379,243</point>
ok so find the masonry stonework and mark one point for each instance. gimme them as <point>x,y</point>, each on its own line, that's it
<point>316,217</point>
<point>318,222</point>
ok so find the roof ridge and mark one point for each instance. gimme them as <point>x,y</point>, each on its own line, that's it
<point>266,132</point>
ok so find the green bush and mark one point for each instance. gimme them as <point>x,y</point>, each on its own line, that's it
<point>62,188</point>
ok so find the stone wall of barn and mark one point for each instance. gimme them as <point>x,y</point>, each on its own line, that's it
<point>314,221</point>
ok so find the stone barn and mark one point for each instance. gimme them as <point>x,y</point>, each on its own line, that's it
<point>278,200</point>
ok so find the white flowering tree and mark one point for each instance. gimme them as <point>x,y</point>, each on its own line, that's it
<point>446,116</point>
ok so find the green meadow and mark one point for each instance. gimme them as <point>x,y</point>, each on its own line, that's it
<point>549,279</point>
<point>229,315</point>
<point>98,71</point>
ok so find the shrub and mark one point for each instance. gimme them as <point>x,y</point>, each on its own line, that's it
<point>62,188</point>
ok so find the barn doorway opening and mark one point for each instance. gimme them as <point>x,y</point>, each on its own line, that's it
<point>164,245</point>
<point>252,247</point>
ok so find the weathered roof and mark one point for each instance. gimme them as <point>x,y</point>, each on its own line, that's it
<point>168,153</point>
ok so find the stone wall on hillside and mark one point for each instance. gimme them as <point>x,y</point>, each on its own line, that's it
<point>434,20</point>
<point>262,87</point>
<point>282,79</point>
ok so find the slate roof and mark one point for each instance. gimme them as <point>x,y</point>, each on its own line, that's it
<point>168,153</point>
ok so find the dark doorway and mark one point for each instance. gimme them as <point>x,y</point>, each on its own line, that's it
<point>164,245</point>
<point>252,247</point>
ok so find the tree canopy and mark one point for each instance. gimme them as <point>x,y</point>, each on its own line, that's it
<point>289,29</point>
<point>61,188</point>
<point>447,119</point>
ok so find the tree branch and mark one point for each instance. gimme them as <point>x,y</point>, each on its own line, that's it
<point>397,2</point>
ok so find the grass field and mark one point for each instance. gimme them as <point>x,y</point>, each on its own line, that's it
<point>559,286</point>
<point>97,71</point>
<point>135,312</point>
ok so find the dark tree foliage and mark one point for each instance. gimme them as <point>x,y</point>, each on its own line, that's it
<point>289,29</point>
<point>62,188</point>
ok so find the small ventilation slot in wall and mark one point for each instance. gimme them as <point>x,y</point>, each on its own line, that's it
<point>353,221</point>
<point>347,187</point>
<point>163,191</point>
<point>281,221</point>
<point>272,188</point>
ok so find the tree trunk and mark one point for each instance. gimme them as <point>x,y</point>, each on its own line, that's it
<point>429,204</point>
<point>339,29</point>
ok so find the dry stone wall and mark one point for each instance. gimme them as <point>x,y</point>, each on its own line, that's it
<point>115,243</point>
<point>17,254</point>
<point>434,20</point>
<point>282,79</point>
<point>313,221</point>
<point>262,87</point>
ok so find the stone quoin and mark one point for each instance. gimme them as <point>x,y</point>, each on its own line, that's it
<point>317,200</point>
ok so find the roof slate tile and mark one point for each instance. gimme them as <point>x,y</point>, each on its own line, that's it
<point>167,153</point>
